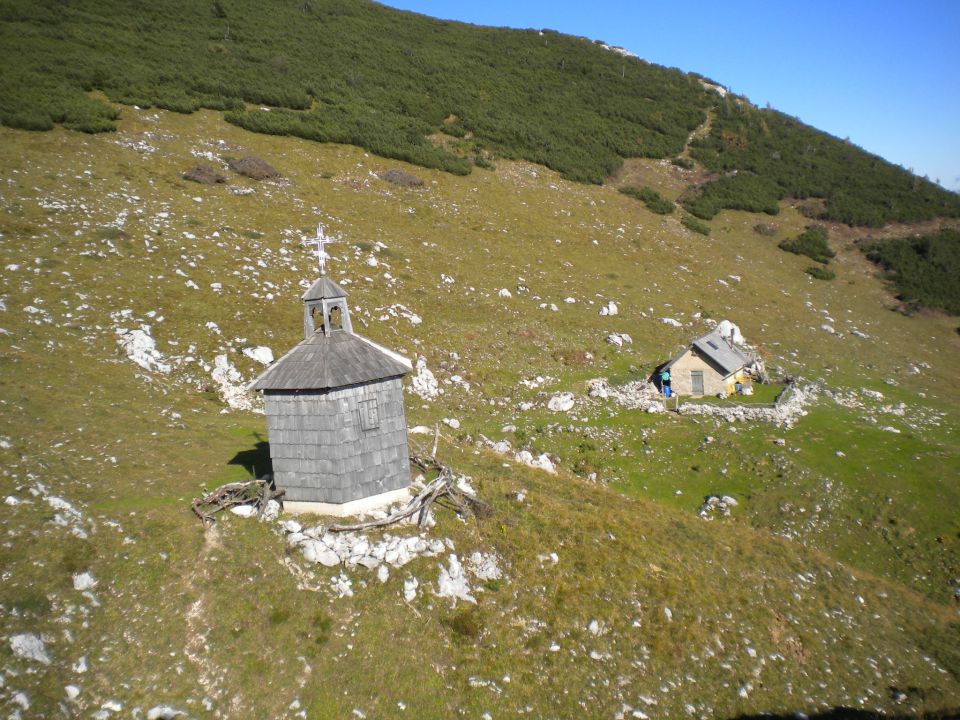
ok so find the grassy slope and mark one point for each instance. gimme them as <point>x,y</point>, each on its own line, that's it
<point>185,616</point>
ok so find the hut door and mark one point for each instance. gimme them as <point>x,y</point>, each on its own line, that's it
<point>696,382</point>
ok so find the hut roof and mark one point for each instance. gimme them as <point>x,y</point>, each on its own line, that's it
<point>324,288</point>
<point>322,363</point>
<point>714,346</point>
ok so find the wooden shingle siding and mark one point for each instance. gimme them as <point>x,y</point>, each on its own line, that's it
<point>321,454</point>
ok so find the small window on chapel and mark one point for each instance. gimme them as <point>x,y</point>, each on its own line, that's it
<point>336,318</point>
<point>369,414</point>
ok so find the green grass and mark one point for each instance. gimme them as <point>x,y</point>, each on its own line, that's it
<point>192,615</point>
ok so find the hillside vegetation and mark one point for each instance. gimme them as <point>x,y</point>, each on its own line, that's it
<point>355,72</point>
<point>830,584</point>
<point>925,271</point>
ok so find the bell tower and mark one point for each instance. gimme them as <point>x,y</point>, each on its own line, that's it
<point>325,309</point>
<point>325,300</point>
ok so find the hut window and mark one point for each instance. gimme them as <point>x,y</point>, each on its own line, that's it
<point>369,414</point>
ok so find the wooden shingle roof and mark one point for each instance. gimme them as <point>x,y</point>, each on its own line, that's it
<point>324,288</point>
<point>322,363</point>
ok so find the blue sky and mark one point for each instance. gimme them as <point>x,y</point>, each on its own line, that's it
<point>885,74</point>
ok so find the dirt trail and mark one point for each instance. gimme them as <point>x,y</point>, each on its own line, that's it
<point>700,132</point>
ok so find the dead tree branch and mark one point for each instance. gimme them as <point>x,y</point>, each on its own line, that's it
<point>254,492</point>
<point>441,489</point>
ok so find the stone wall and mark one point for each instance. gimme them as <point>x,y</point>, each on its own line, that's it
<point>324,451</point>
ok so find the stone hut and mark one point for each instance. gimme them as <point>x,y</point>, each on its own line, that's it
<point>335,417</point>
<point>709,365</point>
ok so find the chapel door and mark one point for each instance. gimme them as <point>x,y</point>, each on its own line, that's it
<point>696,382</point>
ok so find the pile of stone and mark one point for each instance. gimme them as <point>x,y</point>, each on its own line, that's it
<point>715,506</point>
<point>253,168</point>
<point>637,395</point>
<point>784,414</point>
<point>401,178</point>
<point>351,549</point>
<point>205,175</point>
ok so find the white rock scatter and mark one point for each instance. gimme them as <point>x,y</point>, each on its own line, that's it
<point>716,506</point>
<point>636,395</point>
<point>609,309</point>
<point>84,581</point>
<point>784,415</point>
<point>485,566</point>
<point>29,647</point>
<point>261,354</point>
<point>141,348</point>
<point>541,462</point>
<point>562,402</point>
<point>424,382</point>
<point>453,582</point>
<point>619,339</point>
<point>164,712</point>
<point>230,385</point>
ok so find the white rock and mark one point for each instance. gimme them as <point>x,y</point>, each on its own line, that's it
<point>485,566</point>
<point>311,549</point>
<point>452,423</point>
<point>72,692</point>
<point>244,511</point>
<point>141,349</point>
<point>383,573</point>
<point>84,581</point>
<point>424,383</point>
<point>164,712</point>
<point>291,526</point>
<point>342,586</point>
<point>725,327</point>
<point>11,500</point>
<point>81,666</point>
<point>610,309</point>
<point>262,354</point>
<point>420,430</point>
<point>561,402</point>
<point>671,322</point>
<point>504,293</point>
<point>230,384</point>
<point>29,647</point>
<point>271,510</point>
<point>410,586</point>
<point>594,627</point>
<point>543,462</point>
<point>452,582</point>
<point>668,613</point>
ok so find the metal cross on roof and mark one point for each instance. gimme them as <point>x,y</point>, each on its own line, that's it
<point>321,239</point>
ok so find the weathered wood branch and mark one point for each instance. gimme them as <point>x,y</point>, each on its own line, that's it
<point>443,489</point>
<point>253,492</point>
